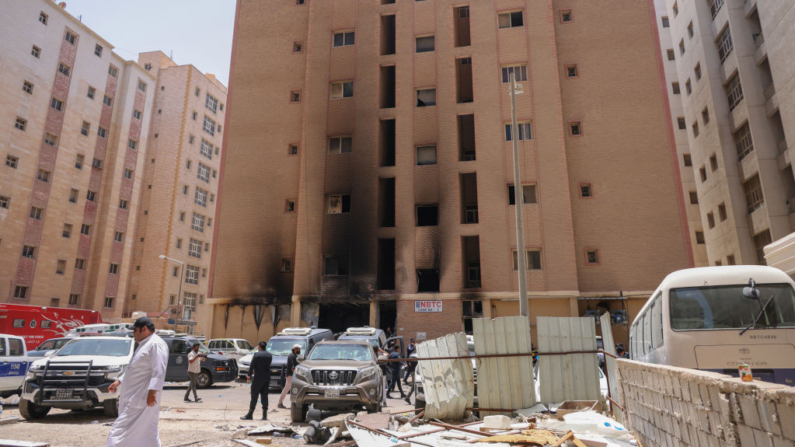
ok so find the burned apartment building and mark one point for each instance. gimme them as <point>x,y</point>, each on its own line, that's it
<point>369,179</point>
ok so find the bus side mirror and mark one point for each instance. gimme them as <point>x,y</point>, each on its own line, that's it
<point>751,292</point>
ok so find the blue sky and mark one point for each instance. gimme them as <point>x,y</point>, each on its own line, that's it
<point>199,32</point>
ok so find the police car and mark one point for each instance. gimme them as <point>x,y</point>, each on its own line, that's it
<point>13,364</point>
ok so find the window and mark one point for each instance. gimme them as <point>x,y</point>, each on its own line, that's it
<point>665,22</point>
<point>338,204</point>
<point>693,198</point>
<point>426,155</point>
<point>519,71</point>
<point>201,197</point>
<point>697,71</point>
<point>185,189</point>
<point>4,200</point>
<point>28,251</point>
<point>571,71</point>
<point>35,51</point>
<point>191,274</point>
<point>50,139</point>
<point>425,44</point>
<point>73,195</point>
<point>575,128</point>
<point>681,122</point>
<point>195,248</point>
<point>85,128</point>
<point>340,145</point>
<point>123,204</point>
<point>137,114</point>
<point>98,50</point>
<point>695,129</point>
<point>118,236</point>
<point>108,302</point>
<point>187,164</point>
<point>181,216</point>
<point>529,194</point>
<point>676,9</point>
<point>690,31</point>
<point>179,243</point>
<point>287,265</point>
<point>211,103</point>
<point>710,220</point>
<point>209,125</point>
<point>20,292</point>
<point>344,39</point>
<point>198,222</point>
<point>725,44</point>
<point>700,237</point>
<point>128,173</point>
<point>195,114</point>
<point>114,269</point>
<point>69,37</point>
<point>107,100</point>
<point>289,206</point>
<point>292,149</point>
<point>101,131</point>
<point>43,18</point>
<point>80,264</point>
<point>525,130</point>
<point>703,173</point>
<point>687,160</point>
<point>204,172</point>
<point>206,149</point>
<point>85,229</point>
<point>675,88</point>
<point>743,141</point>
<point>511,19</point>
<point>715,6</point>
<point>592,256</point>
<point>97,163</point>
<point>734,91</point>
<point>91,196</point>
<point>295,96</point>
<point>56,104</point>
<point>113,71</point>
<point>566,16</point>
<point>335,266</point>
<point>91,92</point>
<point>532,257</point>
<point>20,124</point>
<point>73,299</point>
<point>132,144</point>
<point>43,176</point>
<point>27,87</point>
<point>12,161</point>
<point>722,212</point>
<point>682,46</point>
<point>705,115</point>
<point>586,190</point>
<point>426,97</point>
<point>671,55</point>
<point>753,194</point>
<point>341,90</point>
<point>298,47</point>
<point>688,87</point>
<point>36,212</point>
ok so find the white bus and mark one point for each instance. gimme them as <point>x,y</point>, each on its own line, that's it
<point>714,318</point>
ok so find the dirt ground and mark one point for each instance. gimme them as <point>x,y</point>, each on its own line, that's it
<point>210,422</point>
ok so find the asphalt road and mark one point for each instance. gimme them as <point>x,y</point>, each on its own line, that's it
<point>210,422</point>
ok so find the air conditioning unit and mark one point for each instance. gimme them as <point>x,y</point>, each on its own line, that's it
<point>360,331</point>
<point>296,331</point>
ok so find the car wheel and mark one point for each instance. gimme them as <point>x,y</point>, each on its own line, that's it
<point>29,410</point>
<point>111,408</point>
<point>204,380</point>
<point>297,412</point>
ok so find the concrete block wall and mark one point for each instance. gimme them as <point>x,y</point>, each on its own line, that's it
<point>672,407</point>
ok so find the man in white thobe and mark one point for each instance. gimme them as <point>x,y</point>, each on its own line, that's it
<point>141,384</point>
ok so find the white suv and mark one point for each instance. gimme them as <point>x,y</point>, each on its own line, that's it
<point>235,348</point>
<point>13,364</point>
<point>77,377</point>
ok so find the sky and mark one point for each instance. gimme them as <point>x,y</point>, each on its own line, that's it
<point>198,32</point>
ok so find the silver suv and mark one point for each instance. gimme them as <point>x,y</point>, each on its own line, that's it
<point>338,376</point>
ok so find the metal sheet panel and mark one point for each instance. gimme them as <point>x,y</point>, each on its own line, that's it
<point>504,382</point>
<point>449,385</point>
<point>610,364</point>
<point>570,376</point>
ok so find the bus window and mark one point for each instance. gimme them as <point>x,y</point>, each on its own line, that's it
<point>646,333</point>
<point>656,324</point>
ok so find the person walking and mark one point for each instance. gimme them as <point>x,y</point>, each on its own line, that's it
<point>260,369</point>
<point>410,366</point>
<point>292,361</point>
<point>194,369</point>
<point>395,379</point>
<point>141,386</point>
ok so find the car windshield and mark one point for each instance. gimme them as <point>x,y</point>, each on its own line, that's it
<point>110,348</point>
<point>283,346</point>
<point>341,352</point>
<point>373,341</point>
<point>243,344</point>
<point>725,307</point>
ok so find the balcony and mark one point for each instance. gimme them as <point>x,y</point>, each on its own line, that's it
<point>771,106</point>
<point>761,50</point>
<point>784,157</point>
<point>749,7</point>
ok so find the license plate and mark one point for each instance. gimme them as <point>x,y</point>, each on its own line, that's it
<point>63,394</point>
<point>331,394</point>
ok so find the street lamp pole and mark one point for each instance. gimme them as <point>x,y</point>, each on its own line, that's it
<point>179,290</point>
<point>518,199</point>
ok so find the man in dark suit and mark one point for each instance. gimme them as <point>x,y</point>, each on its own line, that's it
<point>261,370</point>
